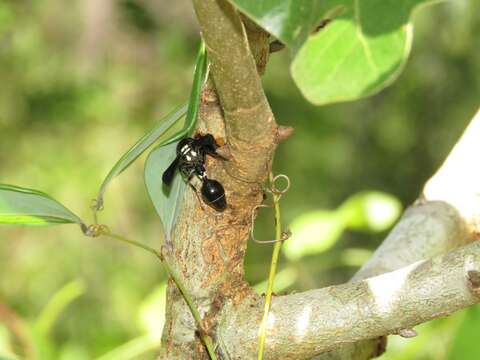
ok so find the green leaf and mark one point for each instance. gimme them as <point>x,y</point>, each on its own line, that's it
<point>140,146</point>
<point>167,200</point>
<point>23,206</point>
<point>291,21</point>
<point>358,54</point>
<point>370,210</point>
<point>191,111</point>
<point>361,51</point>
<point>313,233</point>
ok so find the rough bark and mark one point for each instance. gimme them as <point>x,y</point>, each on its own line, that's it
<point>304,324</point>
<point>208,248</point>
<point>455,185</point>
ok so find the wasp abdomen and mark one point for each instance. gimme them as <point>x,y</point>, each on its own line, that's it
<point>213,194</point>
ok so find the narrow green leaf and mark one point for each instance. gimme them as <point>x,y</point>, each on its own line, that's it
<point>23,206</point>
<point>167,200</point>
<point>191,111</point>
<point>199,78</point>
<point>140,146</point>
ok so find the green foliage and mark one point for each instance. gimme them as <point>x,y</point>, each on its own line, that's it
<point>362,50</point>
<point>290,21</point>
<point>138,149</point>
<point>70,107</point>
<point>21,206</point>
<point>167,200</point>
<point>465,342</point>
<point>160,132</point>
<point>317,231</point>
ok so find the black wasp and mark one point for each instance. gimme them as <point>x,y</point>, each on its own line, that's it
<point>190,161</point>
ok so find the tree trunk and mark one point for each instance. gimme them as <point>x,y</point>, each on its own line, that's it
<point>208,247</point>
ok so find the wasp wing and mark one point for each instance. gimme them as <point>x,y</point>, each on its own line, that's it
<point>167,176</point>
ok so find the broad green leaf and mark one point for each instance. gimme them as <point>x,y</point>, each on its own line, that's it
<point>191,111</point>
<point>23,206</point>
<point>313,233</point>
<point>167,200</point>
<point>370,210</point>
<point>291,21</point>
<point>358,54</point>
<point>362,50</point>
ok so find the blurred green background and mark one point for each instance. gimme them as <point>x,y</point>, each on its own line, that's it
<point>81,81</point>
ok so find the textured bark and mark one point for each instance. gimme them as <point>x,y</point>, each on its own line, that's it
<point>304,324</point>
<point>434,231</point>
<point>208,248</point>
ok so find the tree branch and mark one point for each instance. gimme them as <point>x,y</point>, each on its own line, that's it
<point>432,226</point>
<point>304,324</point>
<point>208,247</point>
<point>250,125</point>
<point>444,218</point>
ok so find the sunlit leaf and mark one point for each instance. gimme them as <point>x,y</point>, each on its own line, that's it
<point>167,200</point>
<point>370,210</point>
<point>313,233</point>
<point>199,78</point>
<point>140,146</point>
<point>191,111</point>
<point>23,206</point>
<point>359,53</point>
<point>362,50</point>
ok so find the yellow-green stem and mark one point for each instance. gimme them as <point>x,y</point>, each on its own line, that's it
<point>271,276</point>
<point>207,340</point>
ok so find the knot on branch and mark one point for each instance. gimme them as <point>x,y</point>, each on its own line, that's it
<point>406,333</point>
<point>473,277</point>
<point>283,132</point>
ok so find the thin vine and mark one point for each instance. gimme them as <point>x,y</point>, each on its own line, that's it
<point>102,230</point>
<point>280,236</point>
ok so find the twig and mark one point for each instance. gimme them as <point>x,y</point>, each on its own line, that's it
<point>207,340</point>
<point>273,269</point>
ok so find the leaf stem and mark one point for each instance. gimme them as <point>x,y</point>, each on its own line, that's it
<point>273,270</point>
<point>207,340</point>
